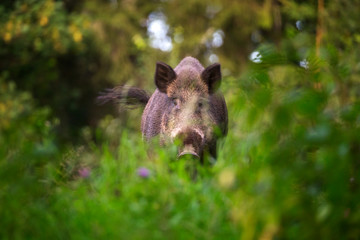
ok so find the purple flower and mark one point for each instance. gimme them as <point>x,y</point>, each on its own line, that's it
<point>84,172</point>
<point>143,172</point>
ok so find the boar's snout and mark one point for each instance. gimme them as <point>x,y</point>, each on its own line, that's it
<point>185,154</point>
<point>191,143</point>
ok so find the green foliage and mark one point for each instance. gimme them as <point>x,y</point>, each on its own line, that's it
<point>49,52</point>
<point>27,158</point>
<point>288,168</point>
<point>307,189</point>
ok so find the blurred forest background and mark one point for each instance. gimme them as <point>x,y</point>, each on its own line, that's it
<point>289,168</point>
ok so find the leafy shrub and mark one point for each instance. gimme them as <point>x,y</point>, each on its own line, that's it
<point>50,52</point>
<point>28,155</point>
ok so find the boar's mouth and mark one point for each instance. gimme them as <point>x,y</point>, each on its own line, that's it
<point>191,143</point>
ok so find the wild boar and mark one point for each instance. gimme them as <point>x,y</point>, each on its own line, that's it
<point>186,106</point>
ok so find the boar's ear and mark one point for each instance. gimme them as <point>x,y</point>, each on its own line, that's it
<point>212,77</point>
<point>164,75</point>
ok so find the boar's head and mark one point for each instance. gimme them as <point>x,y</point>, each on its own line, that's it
<point>190,114</point>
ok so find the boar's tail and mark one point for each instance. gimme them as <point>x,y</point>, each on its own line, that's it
<point>127,96</point>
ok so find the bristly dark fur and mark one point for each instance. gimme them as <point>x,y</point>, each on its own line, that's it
<point>167,113</point>
<point>126,96</point>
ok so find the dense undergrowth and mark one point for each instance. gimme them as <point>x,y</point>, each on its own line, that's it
<point>288,169</point>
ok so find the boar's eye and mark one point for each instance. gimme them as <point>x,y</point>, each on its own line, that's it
<point>175,101</point>
<point>201,102</point>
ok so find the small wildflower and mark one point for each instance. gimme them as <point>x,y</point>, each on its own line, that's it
<point>84,172</point>
<point>143,172</point>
